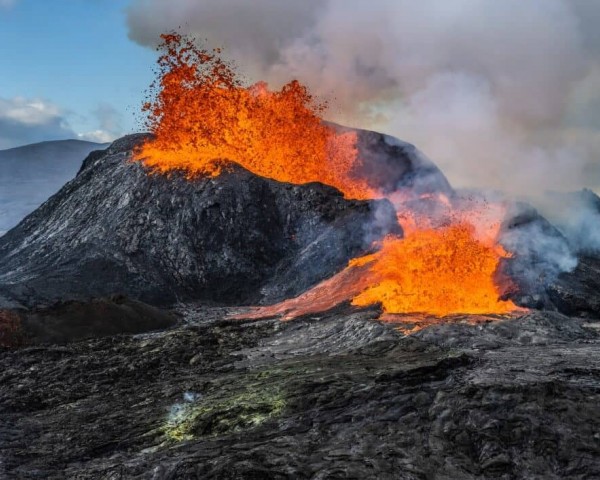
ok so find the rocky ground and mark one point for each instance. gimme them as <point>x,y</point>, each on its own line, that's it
<point>97,381</point>
<point>338,395</point>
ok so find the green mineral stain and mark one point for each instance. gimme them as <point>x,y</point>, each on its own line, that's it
<point>214,415</point>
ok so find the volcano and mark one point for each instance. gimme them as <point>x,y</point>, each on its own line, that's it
<point>236,238</point>
<point>250,292</point>
<point>338,392</point>
<point>118,229</point>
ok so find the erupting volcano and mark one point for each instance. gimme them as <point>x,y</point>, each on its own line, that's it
<point>200,113</point>
<point>246,289</point>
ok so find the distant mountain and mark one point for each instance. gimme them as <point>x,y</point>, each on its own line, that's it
<point>31,173</point>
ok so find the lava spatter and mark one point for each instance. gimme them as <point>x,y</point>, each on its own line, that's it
<point>201,112</point>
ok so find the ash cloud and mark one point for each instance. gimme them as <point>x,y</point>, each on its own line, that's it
<point>499,94</point>
<point>577,215</point>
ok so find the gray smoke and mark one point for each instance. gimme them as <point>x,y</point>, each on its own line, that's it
<point>577,215</point>
<point>500,94</point>
<point>542,251</point>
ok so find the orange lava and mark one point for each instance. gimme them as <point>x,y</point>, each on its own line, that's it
<point>324,296</point>
<point>202,113</point>
<point>445,271</point>
<point>442,272</point>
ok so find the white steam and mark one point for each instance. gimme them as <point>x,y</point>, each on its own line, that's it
<point>577,215</point>
<point>500,94</point>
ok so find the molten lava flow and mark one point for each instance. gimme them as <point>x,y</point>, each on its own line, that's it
<point>440,272</point>
<point>202,113</point>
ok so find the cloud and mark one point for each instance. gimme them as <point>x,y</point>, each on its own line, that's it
<point>499,94</point>
<point>30,120</point>
<point>109,121</point>
<point>98,136</point>
<point>256,31</point>
<point>7,3</point>
<point>24,121</point>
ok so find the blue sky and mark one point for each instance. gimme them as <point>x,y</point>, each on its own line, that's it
<point>71,64</point>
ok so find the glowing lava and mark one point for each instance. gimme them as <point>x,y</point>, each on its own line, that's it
<point>201,113</point>
<point>440,272</point>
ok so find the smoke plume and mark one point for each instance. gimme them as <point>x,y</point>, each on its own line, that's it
<point>498,94</point>
<point>577,215</point>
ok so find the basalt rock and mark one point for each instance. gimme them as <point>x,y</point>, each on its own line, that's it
<point>576,292</point>
<point>69,321</point>
<point>336,395</point>
<point>545,271</point>
<point>101,317</point>
<point>116,229</point>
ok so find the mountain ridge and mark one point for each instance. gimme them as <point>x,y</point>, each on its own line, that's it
<point>29,174</point>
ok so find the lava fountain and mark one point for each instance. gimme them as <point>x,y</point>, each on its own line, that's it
<point>200,112</point>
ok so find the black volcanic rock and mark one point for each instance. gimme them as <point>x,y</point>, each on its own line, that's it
<point>336,396</point>
<point>393,165</point>
<point>158,239</point>
<point>578,292</point>
<point>546,269</point>
<point>67,321</point>
<point>540,254</point>
<point>31,173</point>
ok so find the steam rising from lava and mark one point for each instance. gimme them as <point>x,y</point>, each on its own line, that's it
<point>502,94</point>
<point>200,113</point>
